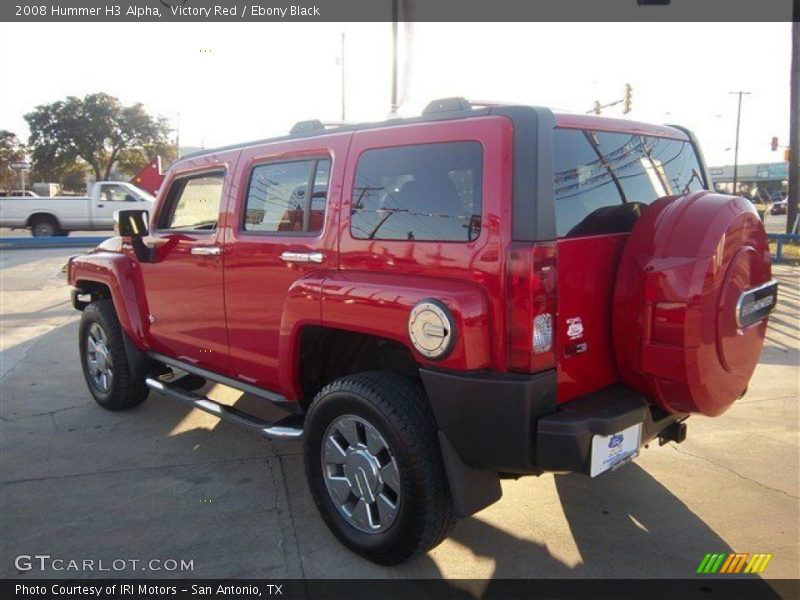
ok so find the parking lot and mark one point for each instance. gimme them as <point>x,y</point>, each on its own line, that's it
<point>165,482</point>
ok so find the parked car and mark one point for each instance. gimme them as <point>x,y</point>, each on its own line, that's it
<point>57,216</point>
<point>779,208</point>
<point>19,194</point>
<point>437,303</point>
<point>775,196</point>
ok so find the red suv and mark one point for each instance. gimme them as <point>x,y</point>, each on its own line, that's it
<point>436,303</point>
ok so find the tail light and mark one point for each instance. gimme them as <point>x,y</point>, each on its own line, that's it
<point>531,295</point>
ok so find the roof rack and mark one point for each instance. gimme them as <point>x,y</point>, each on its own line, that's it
<point>307,126</point>
<point>454,104</point>
<point>442,105</point>
<point>315,125</point>
<point>339,123</point>
<point>488,103</point>
<point>444,108</point>
<point>457,103</point>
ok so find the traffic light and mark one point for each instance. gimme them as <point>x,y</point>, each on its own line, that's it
<point>774,144</point>
<point>787,155</point>
<point>626,101</point>
<point>597,108</point>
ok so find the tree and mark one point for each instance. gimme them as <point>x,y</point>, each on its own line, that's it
<point>71,176</point>
<point>11,150</point>
<point>96,129</point>
<point>134,160</point>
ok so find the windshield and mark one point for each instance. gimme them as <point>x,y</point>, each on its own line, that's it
<point>145,195</point>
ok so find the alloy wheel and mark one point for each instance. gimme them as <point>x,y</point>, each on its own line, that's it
<point>98,359</point>
<point>361,474</point>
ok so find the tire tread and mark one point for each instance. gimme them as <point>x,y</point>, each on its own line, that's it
<point>406,407</point>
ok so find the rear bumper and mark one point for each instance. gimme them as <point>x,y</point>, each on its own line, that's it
<point>564,438</point>
<point>511,424</point>
<point>490,419</point>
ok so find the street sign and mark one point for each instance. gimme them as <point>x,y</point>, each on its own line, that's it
<point>20,166</point>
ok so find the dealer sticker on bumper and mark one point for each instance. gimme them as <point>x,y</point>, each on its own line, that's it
<point>612,451</point>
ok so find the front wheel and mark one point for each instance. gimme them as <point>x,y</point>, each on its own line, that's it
<point>111,379</point>
<point>375,469</point>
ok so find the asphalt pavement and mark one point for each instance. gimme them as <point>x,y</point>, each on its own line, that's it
<point>166,482</point>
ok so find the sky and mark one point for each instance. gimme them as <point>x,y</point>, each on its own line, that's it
<point>233,82</point>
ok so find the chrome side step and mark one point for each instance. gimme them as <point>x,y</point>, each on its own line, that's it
<point>234,383</point>
<point>289,429</point>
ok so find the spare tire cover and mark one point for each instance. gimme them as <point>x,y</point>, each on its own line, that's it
<point>679,335</point>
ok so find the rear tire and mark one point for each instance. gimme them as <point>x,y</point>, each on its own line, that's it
<point>44,227</point>
<point>110,378</point>
<point>390,448</point>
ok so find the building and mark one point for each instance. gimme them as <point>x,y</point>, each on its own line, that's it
<point>761,182</point>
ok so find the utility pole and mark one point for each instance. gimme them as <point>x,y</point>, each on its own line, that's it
<point>178,137</point>
<point>394,57</point>
<point>794,126</point>
<point>343,85</point>
<point>736,148</point>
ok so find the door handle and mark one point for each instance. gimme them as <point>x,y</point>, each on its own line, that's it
<point>206,250</point>
<point>303,257</point>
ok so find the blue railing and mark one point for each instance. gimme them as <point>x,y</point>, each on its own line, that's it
<point>10,243</point>
<point>780,239</point>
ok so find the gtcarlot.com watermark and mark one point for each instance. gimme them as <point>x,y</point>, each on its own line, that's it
<point>46,562</point>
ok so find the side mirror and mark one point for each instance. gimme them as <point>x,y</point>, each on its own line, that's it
<point>133,224</point>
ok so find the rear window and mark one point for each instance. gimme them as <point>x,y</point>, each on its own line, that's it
<point>603,181</point>
<point>428,192</point>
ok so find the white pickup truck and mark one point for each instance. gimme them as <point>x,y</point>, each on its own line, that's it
<point>58,215</point>
<point>19,194</point>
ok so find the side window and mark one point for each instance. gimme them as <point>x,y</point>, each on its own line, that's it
<point>288,197</point>
<point>603,181</point>
<point>193,203</point>
<point>428,192</point>
<point>116,193</point>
